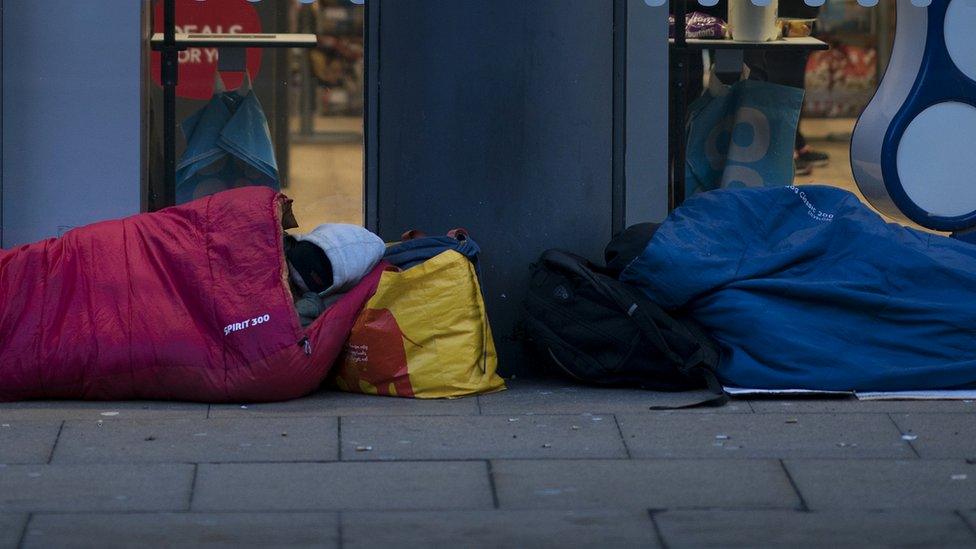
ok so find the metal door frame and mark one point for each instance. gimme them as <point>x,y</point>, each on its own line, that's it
<point>638,175</point>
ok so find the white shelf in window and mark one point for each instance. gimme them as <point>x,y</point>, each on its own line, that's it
<point>279,40</point>
<point>804,43</point>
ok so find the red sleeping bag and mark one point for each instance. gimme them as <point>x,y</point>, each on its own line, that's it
<point>189,303</point>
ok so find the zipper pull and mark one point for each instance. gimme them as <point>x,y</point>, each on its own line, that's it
<point>306,345</point>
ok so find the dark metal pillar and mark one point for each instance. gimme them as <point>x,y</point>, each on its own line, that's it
<point>170,74</point>
<point>679,87</point>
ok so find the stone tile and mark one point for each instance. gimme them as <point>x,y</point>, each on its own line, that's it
<point>27,441</point>
<point>970,518</point>
<point>343,486</point>
<point>481,437</point>
<point>199,440</point>
<point>640,484</point>
<point>106,531</point>
<point>11,527</point>
<point>58,410</point>
<point>885,484</point>
<point>763,436</point>
<point>335,403</point>
<point>940,435</point>
<point>852,405</point>
<point>776,528</point>
<point>492,529</point>
<point>559,397</point>
<point>69,488</point>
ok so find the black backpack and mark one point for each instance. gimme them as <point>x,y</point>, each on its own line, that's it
<point>599,330</point>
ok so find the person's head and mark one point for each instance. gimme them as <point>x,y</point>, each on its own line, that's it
<point>627,245</point>
<point>309,267</point>
<point>333,257</point>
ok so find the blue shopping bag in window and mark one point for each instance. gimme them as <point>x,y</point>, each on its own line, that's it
<point>742,136</point>
<point>228,145</point>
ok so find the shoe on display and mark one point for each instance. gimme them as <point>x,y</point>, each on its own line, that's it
<point>801,167</point>
<point>814,158</point>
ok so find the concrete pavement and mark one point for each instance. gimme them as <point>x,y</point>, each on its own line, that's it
<point>545,464</point>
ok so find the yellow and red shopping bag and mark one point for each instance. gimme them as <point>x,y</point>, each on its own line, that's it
<point>423,334</point>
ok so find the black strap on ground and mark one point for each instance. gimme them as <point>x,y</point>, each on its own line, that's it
<point>716,399</point>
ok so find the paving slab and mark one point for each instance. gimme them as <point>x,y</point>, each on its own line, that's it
<point>492,529</point>
<point>343,486</point>
<point>58,410</point>
<point>336,403</point>
<point>763,436</point>
<point>642,484</point>
<point>970,518</point>
<point>777,528</point>
<point>27,441</point>
<point>199,440</point>
<point>103,531</point>
<point>11,527</point>
<point>940,435</point>
<point>559,397</point>
<point>885,484</point>
<point>852,405</point>
<point>94,487</point>
<point>481,437</point>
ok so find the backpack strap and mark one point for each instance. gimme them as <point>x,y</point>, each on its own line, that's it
<point>717,399</point>
<point>702,361</point>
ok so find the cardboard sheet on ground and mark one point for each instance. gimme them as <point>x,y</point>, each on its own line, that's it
<point>917,395</point>
<point>745,392</point>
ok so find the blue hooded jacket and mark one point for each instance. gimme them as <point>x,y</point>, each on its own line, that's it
<point>805,287</point>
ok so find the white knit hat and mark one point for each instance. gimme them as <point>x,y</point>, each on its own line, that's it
<point>352,250</point>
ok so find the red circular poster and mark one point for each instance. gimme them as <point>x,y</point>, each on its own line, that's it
<point>197,65</point>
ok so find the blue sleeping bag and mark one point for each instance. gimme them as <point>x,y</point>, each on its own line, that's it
<point>805,287</point>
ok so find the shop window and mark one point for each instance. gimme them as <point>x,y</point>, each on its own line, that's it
<point>839,84</point>
<point>311,97</point>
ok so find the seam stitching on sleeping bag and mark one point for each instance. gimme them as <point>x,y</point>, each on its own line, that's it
<point>208,244</point>
<point>128,323</point>
<point>41,329</point>
<point>764,223</point>
<point>968,329</point>
<point>930,238</point>
<point>89,289</point>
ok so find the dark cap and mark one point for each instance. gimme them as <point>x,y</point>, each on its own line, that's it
<point>627,245</point>
<point>311,263</point>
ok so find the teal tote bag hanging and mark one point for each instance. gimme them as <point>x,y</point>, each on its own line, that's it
<point>742,136</point>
